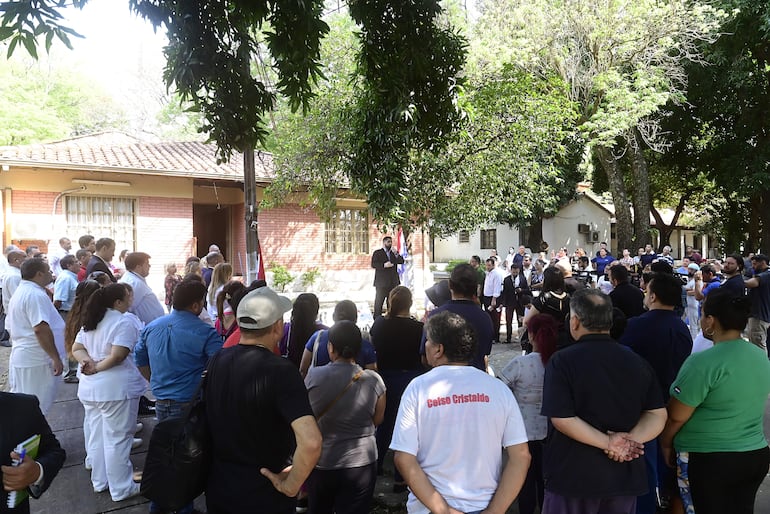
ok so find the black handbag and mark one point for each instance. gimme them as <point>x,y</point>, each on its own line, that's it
<point>179,457</point>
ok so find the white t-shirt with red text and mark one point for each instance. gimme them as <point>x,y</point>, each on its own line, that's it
<point>456,420</point>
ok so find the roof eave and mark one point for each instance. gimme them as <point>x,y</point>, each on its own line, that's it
<point>118,169</point>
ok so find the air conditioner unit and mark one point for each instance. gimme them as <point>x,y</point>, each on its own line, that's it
<point>593,237</point>
<point>584,228</point>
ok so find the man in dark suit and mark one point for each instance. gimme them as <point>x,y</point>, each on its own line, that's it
<point>22,419</point>
<point>105,251</point>
<point>384,262</point>
<point>513,286</point>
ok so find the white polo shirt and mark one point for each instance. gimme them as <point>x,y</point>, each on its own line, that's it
<point>10,281</point>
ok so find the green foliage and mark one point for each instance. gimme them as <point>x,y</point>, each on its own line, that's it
<point>310,277</point>
<point>453,263</point>
<point>515,125</point>
<point>407,104</point>
<point>41,103</point>
<point>208,58</point>
<point>281,276</point>
<point>24,22</point>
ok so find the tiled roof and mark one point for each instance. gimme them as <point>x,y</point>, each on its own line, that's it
<point>114,151</point>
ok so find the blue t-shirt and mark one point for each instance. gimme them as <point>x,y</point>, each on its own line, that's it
<point>602,262</point>
<point>365,357</point>
<point>478,319</point>
<point>177,348</point>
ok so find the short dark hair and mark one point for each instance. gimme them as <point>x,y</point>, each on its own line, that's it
<point>136,259</point>
<point>515,265</point>
<point>464,280</point>
<point>345,310</point>
<point>32,248</point>
<point>31,267</point>
<point>476,259</point>
<point>81,253</point>
<point>104,242</point>
<point>454,333</point>
<point>738,259</point>
<point>345,338</point>
<point>187,293</point>
<point>667,288</point>
<point>593,308</point>
<point>67,261</point>
<point>84,241</point>
<point>492,261</point>
<point>661,266</point>
<point>620,273</point>
<point>708,268</point>
<point>730,309</point>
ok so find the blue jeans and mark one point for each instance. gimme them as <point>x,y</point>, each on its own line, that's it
<point>165,409</point>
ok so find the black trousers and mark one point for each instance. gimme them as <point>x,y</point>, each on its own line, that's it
<point>341,491</point>
<point>380,297</point>
<point>723,482</point>
<point>533,490</point>
<point>509,312</point>
<point>494,315</point>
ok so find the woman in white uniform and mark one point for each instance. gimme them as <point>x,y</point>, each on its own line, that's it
<point>110,387</point>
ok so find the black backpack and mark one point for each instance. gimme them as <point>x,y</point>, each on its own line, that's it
<point>179,457</point>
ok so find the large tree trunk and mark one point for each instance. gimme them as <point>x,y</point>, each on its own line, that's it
<point>532,235</point>
<point>624,223</point>
<point>641,196</point>
<point>764,217</point>
<point>667,230</point>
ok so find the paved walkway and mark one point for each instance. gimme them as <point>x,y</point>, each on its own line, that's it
<point>72,492</point>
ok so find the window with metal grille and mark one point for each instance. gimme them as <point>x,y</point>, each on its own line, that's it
<point>103,217</point>
<point>464,236</point>
<point>347,231</point>
<point>488,239</point>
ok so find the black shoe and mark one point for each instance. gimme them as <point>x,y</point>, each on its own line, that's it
<point>6,344</point>
<point>146,407</point>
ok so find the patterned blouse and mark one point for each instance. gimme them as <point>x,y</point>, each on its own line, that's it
<point>524,375</point>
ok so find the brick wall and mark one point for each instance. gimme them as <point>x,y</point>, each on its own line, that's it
<point>294,237</point>
<point>35,202</point>
<point>164,229</point>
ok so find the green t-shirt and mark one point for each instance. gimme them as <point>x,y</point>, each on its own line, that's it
<point>728,385</point>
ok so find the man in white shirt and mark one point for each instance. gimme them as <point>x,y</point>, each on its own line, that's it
<point>55,257</point>
<point>4,337</point>
<point>12,277</point>
<point>63,297</point>
<point>451,425</point>
<point>493,286</point>
<point>37,336</point>
<point>526,267</point>
<point>146,305</point>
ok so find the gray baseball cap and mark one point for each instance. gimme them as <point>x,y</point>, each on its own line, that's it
<point>261,308</point>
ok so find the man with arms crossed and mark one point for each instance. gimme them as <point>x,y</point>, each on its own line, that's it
<point>37,336</point>
<point>604,402</point>
<point>451,426</point>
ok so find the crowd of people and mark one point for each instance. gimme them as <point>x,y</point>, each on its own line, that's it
<point>635,389</point>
